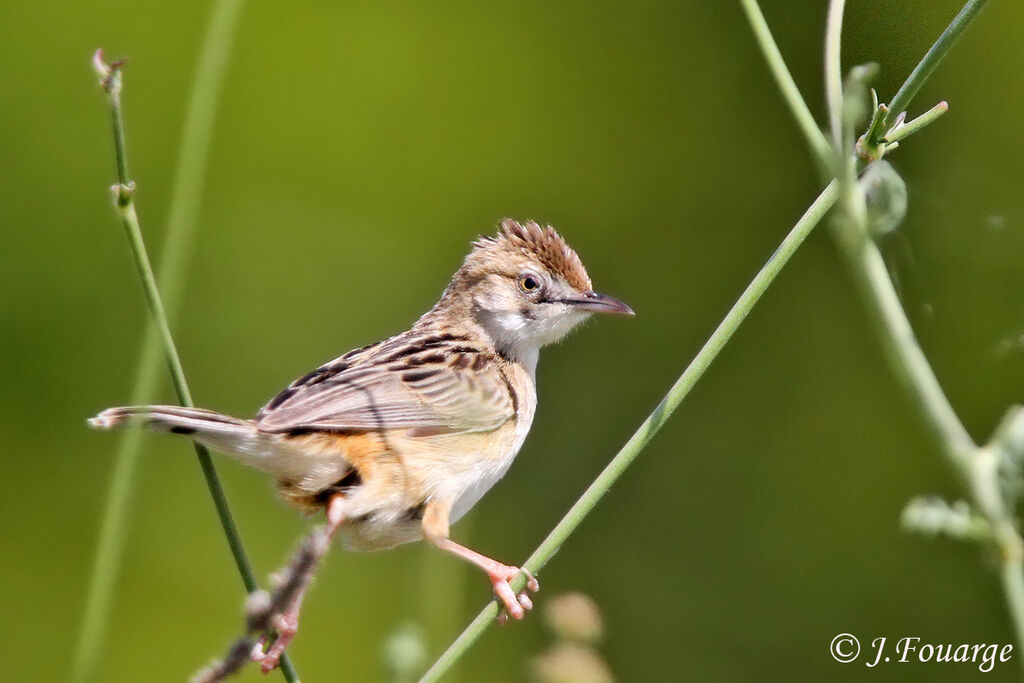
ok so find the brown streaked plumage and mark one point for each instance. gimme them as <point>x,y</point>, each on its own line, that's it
<point>399,439</point>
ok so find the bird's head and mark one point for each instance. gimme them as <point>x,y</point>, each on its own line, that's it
<point>527,288</point>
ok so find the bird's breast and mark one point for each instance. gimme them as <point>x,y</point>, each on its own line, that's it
<point>498,449</point>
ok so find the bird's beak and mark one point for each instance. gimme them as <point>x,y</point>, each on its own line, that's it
<point>593,302</point>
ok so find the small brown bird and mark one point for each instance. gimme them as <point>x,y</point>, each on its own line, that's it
<point>399,439</point>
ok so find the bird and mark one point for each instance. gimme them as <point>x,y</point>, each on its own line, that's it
<point>397,440</point>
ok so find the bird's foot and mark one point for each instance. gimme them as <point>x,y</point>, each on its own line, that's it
<point>286,626</point>
<point>515,605</point>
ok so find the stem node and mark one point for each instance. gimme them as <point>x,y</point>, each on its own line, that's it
<point>123,193</point>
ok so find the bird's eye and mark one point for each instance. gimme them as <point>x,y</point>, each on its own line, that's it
<point>528,283</point>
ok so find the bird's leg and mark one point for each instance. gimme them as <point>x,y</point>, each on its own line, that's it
<point>435,528</point>
<point>287,598</point>
<point>500,575</point>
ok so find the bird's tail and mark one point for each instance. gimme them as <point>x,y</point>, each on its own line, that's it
<point>241,439</point>
<point>220,432</point>
<point>174,419</point>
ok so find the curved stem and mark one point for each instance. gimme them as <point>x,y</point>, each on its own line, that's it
<point>979,467</point>
<point>904,352</point>
<point>625,457</point>
<point>787,86</point>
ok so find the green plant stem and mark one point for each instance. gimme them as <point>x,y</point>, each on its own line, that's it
<point>978,466</point>
<point>110,545</point>
<point>185,197</point>
<point>784,80</point>
<point>625,457</point>
<point>441,585</point>
<point>932,58</point>
<point>194,145</point>
<point>124,200</point>
<point>871,274</point>
<point>911,127</point>
<point>707,354</point>
<point>188,186</point>
<point>869,269</point>
<point>1012,576</point>
<point>196,134</point>
<point>834,70</point>
<point>904,352</point>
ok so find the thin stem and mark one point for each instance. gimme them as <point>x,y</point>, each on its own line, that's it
<point>441,584</point>
<point>978,466</point>
<point>625,457</point>
<point>834,70</point>
<point>721,336</point>
<point>910,127</point>
<point>188,188</point>
<point>110,545</point>
<point>869,267</point>
<point>124,192</point>
<point>124,199</point>
<point>196,133</point>
<point>904,352</point>
<point>906,356</point>
<point>934,56</point>
<point>787,86</point>
<point>194,145</point>
<point>982,472</point>
<point>1012,575</point>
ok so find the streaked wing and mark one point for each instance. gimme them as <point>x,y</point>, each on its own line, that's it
<point>431,384</point>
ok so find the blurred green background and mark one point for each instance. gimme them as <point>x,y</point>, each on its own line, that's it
<point>359,147</point>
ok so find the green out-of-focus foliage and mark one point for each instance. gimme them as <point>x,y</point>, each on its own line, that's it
<point>358,148</point>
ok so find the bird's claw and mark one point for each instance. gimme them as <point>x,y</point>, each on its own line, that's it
<point>286,626</point>
<point>515,606</point>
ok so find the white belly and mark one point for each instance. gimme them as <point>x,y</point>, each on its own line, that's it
<point>479,479</point>
<point>477,487</point>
